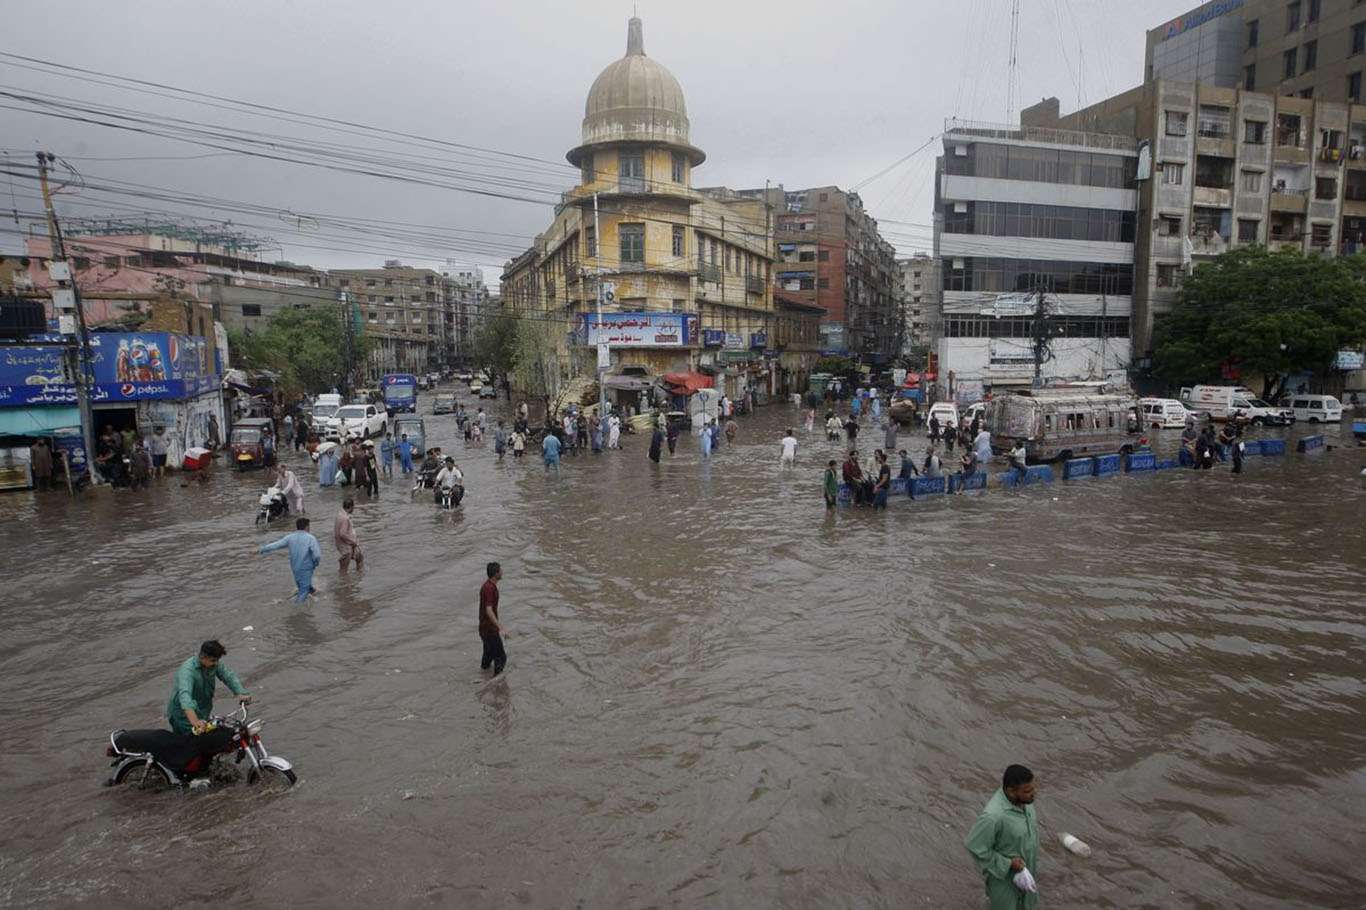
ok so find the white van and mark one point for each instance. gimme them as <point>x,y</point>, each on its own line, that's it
<point>1163,413</point>
<point>946,411</point>
<point>1222,402</point>
<point>1315,408</point>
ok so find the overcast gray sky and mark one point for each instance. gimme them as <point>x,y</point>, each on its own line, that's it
<point>798,92</point>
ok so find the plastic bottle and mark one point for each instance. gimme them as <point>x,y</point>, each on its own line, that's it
<point>1079,847</point>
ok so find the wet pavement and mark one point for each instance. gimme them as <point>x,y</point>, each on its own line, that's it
<point>718,694</point>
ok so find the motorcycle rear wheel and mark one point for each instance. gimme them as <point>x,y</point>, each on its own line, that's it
<point>143,777</point>
<point>272,778</point>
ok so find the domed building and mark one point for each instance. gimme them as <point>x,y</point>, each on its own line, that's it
<point>684,272</point>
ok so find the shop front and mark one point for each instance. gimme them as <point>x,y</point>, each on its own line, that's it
<point>142,381</point>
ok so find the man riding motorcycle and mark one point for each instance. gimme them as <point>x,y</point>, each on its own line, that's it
<point>191,702</point>
<point>450,478</point>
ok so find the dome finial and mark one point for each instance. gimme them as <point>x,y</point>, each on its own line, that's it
<point>635,38</point>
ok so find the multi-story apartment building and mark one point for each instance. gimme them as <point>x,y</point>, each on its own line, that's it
<point>466,300</point>
<point>119,265</point>
<point>1033,225</point>
<point>1313,49</point>
<point>831,255</point>
<point>921,311</point>
<point>403,311</point>
<point>1230,168</point>
<point>684,273</point>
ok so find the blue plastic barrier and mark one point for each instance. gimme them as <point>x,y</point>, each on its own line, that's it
<point>976,481</point>
<point>926,486</point>
<point>899,487</point>
<point>1038,474</point>
<point>1309,443</point>
<point>1166,464</point>
<point>1107,464</point>
<point>845,496</point>
<point>1359,429</point>
<point>1140,461</point>
<point>1078,467</point>
<point>1272,447</point>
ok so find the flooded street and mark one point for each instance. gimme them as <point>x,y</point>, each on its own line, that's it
<point>717,695</point>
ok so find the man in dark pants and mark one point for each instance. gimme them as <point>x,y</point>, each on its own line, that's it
<point>489,628</point>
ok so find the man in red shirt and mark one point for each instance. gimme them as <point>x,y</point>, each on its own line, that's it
<point>489,628</point>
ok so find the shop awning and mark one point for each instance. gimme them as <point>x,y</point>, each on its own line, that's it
<point>37,421</point>
<point>687,383</point>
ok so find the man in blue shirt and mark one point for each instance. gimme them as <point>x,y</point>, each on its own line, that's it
<point>550,449</point>
<point>405,454</point>
<point>304,556</point>
<point>191,702</point>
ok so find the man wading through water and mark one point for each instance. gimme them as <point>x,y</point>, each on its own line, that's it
<point>490,630</point>
<point>1004,842</point>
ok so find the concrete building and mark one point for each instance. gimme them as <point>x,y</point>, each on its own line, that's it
<point>466,304</point>
<point>122,262</point>
<point>685,273</point>
<point>1229,168</point>
<point>1023,212</point>
<point>922,307</point>
<point>402,310</point>
<point>831,255</point>
<point>1312,49</point>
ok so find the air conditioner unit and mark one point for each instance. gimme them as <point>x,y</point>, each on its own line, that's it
<point>960,151</point>
<point>960,207</point>
<point>957,265</point>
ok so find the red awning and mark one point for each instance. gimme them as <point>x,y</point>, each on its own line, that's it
<point>687,383</point>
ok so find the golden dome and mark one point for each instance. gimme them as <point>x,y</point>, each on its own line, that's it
<point>636,99</point>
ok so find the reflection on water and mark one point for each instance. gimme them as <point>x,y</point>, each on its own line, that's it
<point>718,692</point>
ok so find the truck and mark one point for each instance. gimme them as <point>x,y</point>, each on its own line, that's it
<point>1222,402</point>
<point>400,392</point>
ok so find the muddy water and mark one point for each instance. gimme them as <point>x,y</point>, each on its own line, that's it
<point>718,694</point>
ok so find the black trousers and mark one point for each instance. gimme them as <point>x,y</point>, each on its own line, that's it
<point>493,653</point>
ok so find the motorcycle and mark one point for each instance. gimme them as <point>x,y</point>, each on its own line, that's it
<point>425,480</point>
<point>163,759</point>
<point>449,497</point>
<point>272,505</point>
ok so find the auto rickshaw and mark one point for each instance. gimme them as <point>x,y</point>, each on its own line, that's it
<point>247,443</point>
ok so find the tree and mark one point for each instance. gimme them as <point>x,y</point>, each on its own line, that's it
<point>496,348</point>
<point>307,346</point>
<point>536,362</point>
<point>1262,313</point>
<point>835,366</point>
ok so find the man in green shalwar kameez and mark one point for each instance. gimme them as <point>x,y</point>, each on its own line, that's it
<point>1005,840</point>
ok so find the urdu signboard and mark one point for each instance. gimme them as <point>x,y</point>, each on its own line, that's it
<point>639,330</point>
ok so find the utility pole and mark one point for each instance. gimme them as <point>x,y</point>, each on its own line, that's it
<point>1041,335</point>
<point>1013,78</point>
<point>82,353</point>
<point>602,367</point>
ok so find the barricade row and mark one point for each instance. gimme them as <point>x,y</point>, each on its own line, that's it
<point>1072,469</point>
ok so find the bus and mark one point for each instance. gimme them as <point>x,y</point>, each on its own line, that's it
<point>400,392</point>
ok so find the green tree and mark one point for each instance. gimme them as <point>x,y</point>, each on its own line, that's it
<point>496,348</point>
<point>536,365</point>
<point>1262,313</point>
<point>836,366</point>
<point>307,346</point>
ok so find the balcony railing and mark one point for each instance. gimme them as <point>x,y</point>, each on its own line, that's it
<point>710,273</point>
<point>754,284</point>
<point>1041,134</point>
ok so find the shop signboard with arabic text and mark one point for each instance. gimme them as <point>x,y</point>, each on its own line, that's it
<point>639,330</point>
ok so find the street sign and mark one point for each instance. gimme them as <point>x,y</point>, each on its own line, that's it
<point>604,356</point>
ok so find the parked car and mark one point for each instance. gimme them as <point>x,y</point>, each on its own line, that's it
<point>975,410</point>
<point>363,420</point>
<point>1164,413</point>
<point>1315,408</point>
<point>423,382</point>
<point>464,376</point>
<point>443,404</point>
<point>247,442</point>
<point>476,387</point>
<point>488,390</point>
<point>412,425</point>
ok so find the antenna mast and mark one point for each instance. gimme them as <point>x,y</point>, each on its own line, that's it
<point>1013,77</point>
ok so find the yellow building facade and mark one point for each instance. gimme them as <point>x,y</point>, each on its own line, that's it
<point>636,227</point>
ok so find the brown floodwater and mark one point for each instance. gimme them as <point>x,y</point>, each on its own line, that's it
<point>718,694</point>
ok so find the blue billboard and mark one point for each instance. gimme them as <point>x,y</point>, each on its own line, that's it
<point>639,330</point>
<point>127,366</point>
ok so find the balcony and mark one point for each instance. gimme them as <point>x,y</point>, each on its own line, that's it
<point>710,273</point>
<point>1208,244</point>
<point>754,284</point>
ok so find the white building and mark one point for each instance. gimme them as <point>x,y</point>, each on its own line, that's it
<point>1022,212</point>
